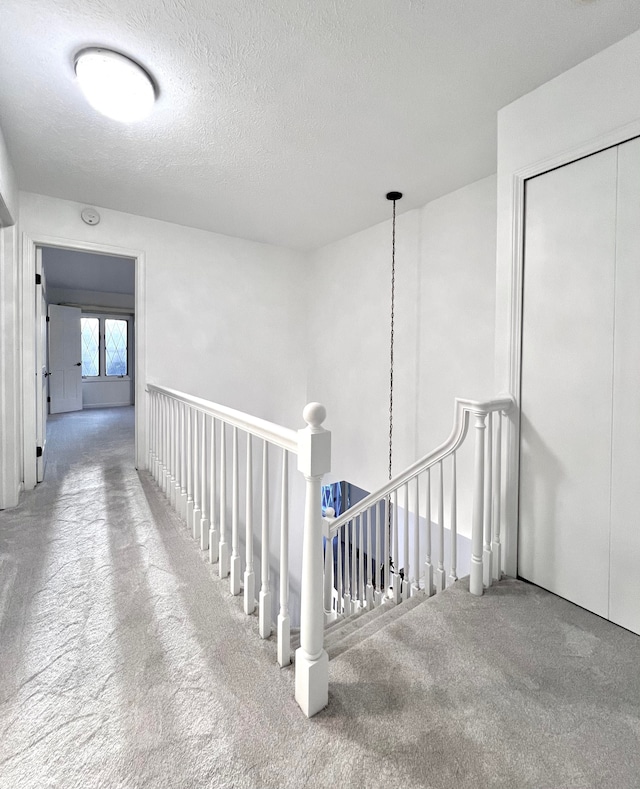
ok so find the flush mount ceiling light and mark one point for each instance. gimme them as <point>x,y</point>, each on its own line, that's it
<point>114,84</point>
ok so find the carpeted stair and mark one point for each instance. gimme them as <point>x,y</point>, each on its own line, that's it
<point>343,633</point>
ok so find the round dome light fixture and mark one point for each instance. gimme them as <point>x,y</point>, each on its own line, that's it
<point>115,85</point>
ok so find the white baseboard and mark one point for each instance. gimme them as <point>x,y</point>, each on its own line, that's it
<point>105,405</point>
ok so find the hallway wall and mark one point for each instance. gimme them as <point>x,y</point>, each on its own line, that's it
<point>10,337</point>
<point>444,331</point>
<point>224,316</point>
<point>8,187</point>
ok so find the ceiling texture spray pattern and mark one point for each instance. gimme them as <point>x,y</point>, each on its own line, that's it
<point>283,121</point>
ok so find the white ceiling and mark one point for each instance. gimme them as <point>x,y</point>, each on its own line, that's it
<point>65,268</point>
<point>284,121</point>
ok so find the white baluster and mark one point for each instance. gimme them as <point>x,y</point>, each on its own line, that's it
<point>406,586</point>
<point>369,573</point>
<point>496,548</point>
<point>453,577</point>
<point>234,583</point>
<point>150,431</point>
<point>154,410</point>
<point>223,554</point>
<point>312,663</point>
<point>397,580</point>
<point>415,569</point>
<point>327,600</point>
<point>264,624</point>
<point>441,576</point>
<point>168,485</point>
<point>476,576</point>
<point>158,471</point>
<point>339,567</point>
<point>190,501</point>
<point>197,493</point>
<point>428,565</point>
<point>176,455</point>
<point>171,481</point>
<point>163,473</point>
<point>362,527</point>
<point>354,565</point>
<point>347,570</point>
<point>488,480</point>
<point>158,434</point>
<point>171,478</point>
<point>163,440</point>
<point>249,575</point>
<point>204,499</point>
<point>284,625</point>
<point>387,528</point>
<point>214,531</point>
<point>183,461</point>
<point>159,438</point>
<point>380,525</point>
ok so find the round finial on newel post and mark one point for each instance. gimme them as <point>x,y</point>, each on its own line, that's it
<point>314,415</point>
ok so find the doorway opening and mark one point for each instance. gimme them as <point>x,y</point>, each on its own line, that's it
<point>82,311</point>
<point>85,310</point>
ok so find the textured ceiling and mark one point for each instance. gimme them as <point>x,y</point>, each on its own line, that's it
<point>66,268</point>
<point>284,121</point>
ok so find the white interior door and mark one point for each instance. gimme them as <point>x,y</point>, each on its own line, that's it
<point>579,527</point>
<point>41,368</point>
<point>65,359</point>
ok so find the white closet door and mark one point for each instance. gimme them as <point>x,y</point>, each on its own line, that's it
<point>625,467</point>
<point>567,372</point>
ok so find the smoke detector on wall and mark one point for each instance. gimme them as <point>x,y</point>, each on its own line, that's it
<point>90,216</point>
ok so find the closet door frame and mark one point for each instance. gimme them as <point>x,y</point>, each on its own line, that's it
<point>509,342</point>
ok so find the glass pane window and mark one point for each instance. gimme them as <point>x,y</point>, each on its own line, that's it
<point>90,331</point>
<point>115,346</point>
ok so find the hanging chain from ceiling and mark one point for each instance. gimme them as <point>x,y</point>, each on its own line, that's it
<point>392,196</point>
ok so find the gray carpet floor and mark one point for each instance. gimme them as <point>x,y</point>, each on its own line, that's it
<point>124,663</point>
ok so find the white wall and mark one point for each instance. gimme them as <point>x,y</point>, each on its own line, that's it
<point>10,337</point>
<point>106,394</point>
<point>8,187</point>
<point>589,107</point>
<point>10,371</point>
<point>224,316</point>
<point>444,330</point>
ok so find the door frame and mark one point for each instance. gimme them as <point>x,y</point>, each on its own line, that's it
<point>509,330</point>
<point>42,363</point>
<point>29,244</point>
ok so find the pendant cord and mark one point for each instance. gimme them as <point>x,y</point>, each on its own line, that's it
<point>393,294</point>
<point>391,196</point>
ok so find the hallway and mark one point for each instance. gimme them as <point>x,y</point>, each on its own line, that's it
<point>124,663</point>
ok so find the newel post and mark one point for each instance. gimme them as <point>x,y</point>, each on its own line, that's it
<point>477,519</point>
<point>312,662</point>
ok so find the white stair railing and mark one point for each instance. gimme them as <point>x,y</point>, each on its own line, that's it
<point>393,572</point>
<point>191,462</point>
<point>183,437</point>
